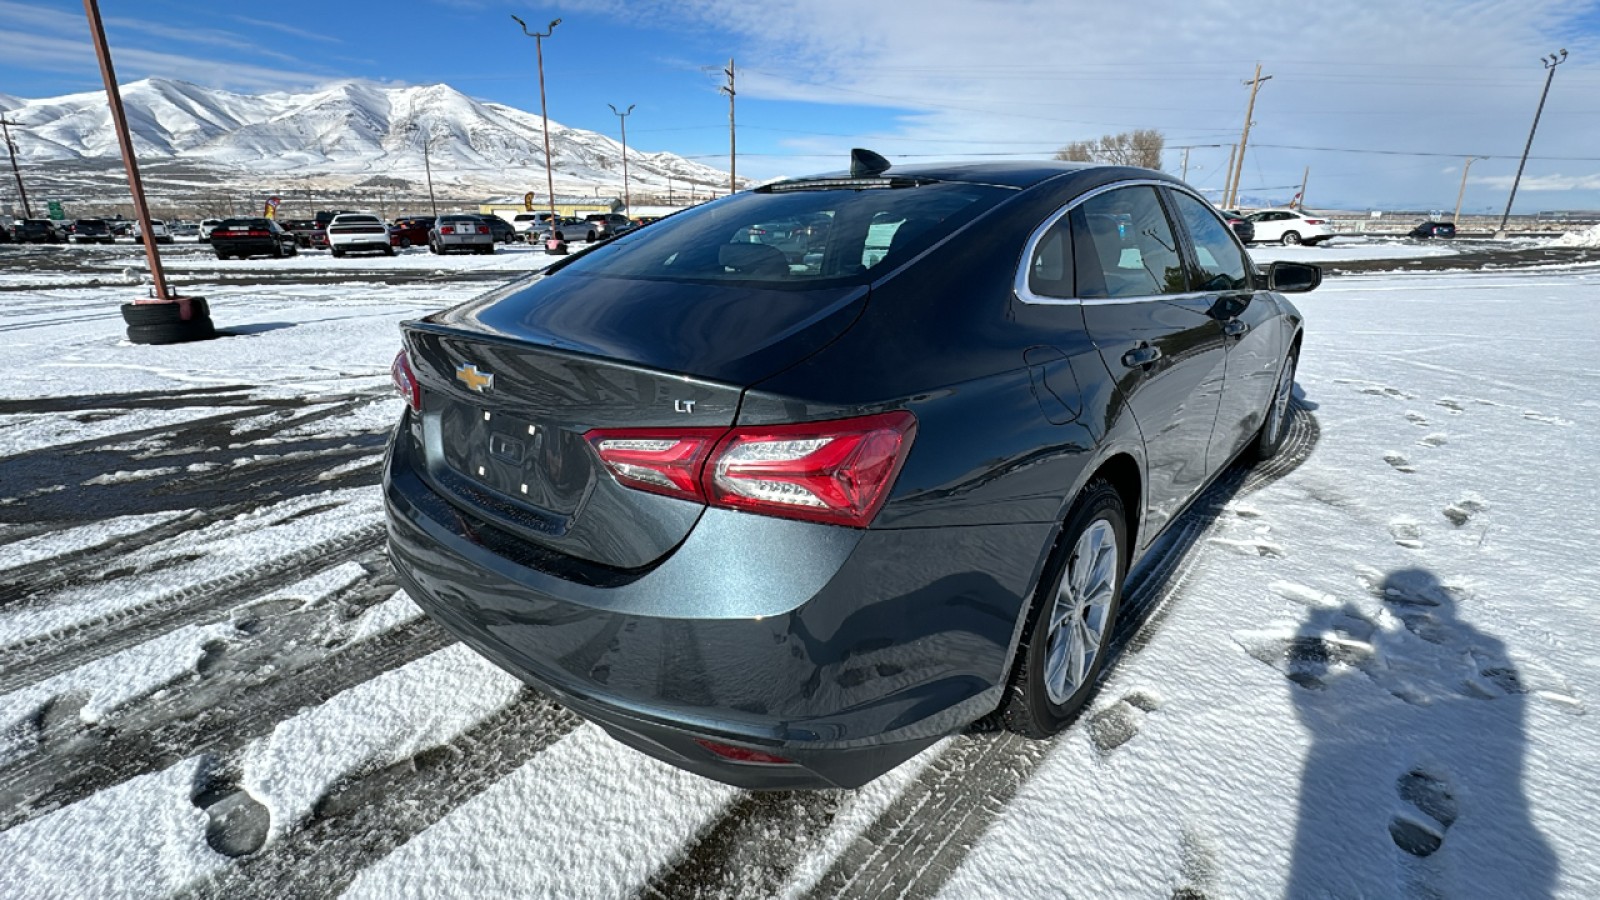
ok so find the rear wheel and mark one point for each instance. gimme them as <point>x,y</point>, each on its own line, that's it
<point>388,251</point>
<point>1290,238</point>
<point>336,251</point>
<point>1275,425</point>
<point>1067,640</point>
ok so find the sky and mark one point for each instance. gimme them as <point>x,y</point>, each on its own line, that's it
<point>1383,103</point>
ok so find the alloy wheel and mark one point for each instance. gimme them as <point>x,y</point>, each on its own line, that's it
<point>1081,612</point>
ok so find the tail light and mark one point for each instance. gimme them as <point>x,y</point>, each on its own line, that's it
<point>743,754</point>
<point>483,229</point>
<point>405,381</point>
<point>837,472</point>
<point>1315,221</point>
<point>446,229</point>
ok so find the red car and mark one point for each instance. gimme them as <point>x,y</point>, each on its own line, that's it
<point>410,231</point>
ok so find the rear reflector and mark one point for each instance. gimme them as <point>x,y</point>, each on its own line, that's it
<point>743,754</point>
<point>405,381</point>
<point>838,472</point>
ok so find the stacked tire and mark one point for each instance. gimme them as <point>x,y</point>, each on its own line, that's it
<point>162,323</point>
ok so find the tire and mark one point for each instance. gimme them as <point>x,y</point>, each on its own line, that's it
<point>1275,422</point>
<point>433,247</point>
<point>1290,238</point>
<point>1056,669</point>
<point>277,251</point>
<point>221,255</point>
<point>405,243</point>
<point>172,332</point>
<point>336,251</point>
<point>294,249</point>
<point>388,251</point>
<point>161,313</point>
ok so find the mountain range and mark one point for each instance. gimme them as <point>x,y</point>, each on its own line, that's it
<point>337,136</point>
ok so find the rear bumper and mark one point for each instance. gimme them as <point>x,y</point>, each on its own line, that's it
<point>845,651</point>
<point>247,247</point>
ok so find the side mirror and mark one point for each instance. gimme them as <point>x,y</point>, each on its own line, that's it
<point>1293,277</point>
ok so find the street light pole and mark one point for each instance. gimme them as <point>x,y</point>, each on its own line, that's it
<point>549,173</point>
<point>1456,219</point>
<point>627,196</point>
<point>1550,63</point>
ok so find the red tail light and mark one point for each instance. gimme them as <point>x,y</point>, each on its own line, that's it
<point>838,472</point>
<point>483,229</point>
<point>743,754</point>
<point>446,229</point>
<point>1315,221</point>
<point>405,381</point>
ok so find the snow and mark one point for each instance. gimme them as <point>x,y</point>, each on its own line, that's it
<point>1390,645</point>
<point>371,726</point>
<point>1588,237</point>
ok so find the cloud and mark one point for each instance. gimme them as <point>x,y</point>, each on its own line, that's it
<point>1554,182</point>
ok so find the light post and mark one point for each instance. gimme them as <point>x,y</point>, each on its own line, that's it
<point>1456,219</point>
<point>549,173</point>
<point>1550,63</point>
<point>627,197</point>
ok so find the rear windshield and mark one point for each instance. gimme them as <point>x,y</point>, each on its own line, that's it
<point>797,238</point>
<point>235,224</point>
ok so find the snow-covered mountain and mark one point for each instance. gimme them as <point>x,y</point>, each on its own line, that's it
<point>349,129</point>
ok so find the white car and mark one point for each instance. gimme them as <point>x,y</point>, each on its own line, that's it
<point>158,228</point>
<point>354,232</point>
<point>528,224</point>
<point>1290,226</point>
<point>206,227</point>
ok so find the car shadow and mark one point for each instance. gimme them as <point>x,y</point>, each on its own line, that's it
<point>255,329</point>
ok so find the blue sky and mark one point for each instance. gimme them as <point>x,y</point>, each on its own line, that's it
<point>1383,101</point>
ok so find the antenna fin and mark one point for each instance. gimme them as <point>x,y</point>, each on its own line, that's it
<point>866,164</point>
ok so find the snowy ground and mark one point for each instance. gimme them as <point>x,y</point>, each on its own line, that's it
<point>1367,671</point>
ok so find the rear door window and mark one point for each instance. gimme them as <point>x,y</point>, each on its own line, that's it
<point>1124,246</point>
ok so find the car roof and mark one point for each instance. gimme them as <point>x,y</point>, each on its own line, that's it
<point>1018,174</point>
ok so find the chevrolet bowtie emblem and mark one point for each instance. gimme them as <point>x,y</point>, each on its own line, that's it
<point>468,374</point>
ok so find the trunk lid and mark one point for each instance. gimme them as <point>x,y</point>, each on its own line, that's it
<point>513,381</point>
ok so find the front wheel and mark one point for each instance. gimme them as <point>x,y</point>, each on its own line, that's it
<point>1291,238</point>
<point>1066,643</point>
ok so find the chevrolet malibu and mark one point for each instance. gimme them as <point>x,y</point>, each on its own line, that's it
<point>786,522</point>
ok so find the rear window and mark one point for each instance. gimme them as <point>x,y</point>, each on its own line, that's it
<point>794,238</point>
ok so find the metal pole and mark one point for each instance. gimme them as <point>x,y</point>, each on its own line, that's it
<point>1550,63</point>
<point>1456,219</point>
<point>129,161</point>
<point>11,148</point>
<point>733,150</point>
<point>627,196</point>
<point>549,172</point>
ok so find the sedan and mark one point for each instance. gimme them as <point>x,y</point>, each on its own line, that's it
<point>1434,230</point>
<point>355,232</point>
<point>460,233</point>
<point>252,237</point>
<point>785,524</point>
<point>1290,226</point>
<point>1240,223</point>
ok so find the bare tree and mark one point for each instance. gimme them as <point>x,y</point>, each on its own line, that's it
<point>1130,148</point>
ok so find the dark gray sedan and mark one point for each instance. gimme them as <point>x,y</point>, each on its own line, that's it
<point>785,522</point>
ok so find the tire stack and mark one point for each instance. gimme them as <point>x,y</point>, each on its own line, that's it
<point>162,323</point>
<point>555,246</point>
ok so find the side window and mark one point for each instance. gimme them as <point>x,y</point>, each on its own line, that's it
<point>1222,266</point>
<point>1123,246</point>
<point>1050,269</point>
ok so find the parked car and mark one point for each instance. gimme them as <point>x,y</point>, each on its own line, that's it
<point>798,236</point>
<point>609,224</point>
<point>527,223</point>
<point>1240,223</point>
<point>206,227</point>
<point>185,229</point>
<point>256,236</point>
<point>1434,230</point>
<point>1290,226</point>
<point>410,230</point>
<point>460,233</point>
<point>158,231</point>
<point>768,530</point>
<point>500,229</point>
<point>569,229</point>
<point>305,232</point>
<point>91,231</point>
<point>358,232</point>
<point>38,231</point>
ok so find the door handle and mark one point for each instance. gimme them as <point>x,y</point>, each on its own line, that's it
<point>1142,355</point>
<point>1234,327</point>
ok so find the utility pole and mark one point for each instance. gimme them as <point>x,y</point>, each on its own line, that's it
<point>1227,176</point>
<point>1456,219</point>
<point>544,113</point>
<point>1185,175</point>
<point>1303,180</point>
<point>627,196</point>
<point>1550,63</point>
<point>11,147</point>
<point>119,120</point>
<point>733,155</point>
<point>1244,140</point>
<point>427,166</point>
